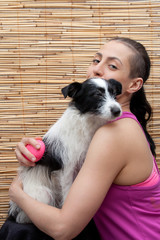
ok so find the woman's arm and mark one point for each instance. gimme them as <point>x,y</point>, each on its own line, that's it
<point>86,194</point>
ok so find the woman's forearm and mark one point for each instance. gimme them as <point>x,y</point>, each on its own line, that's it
<point>47,218</point>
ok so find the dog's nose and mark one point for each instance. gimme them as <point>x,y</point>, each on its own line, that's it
<point>115,111</point>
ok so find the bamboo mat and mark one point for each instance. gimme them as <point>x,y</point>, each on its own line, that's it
<point>45,45</point>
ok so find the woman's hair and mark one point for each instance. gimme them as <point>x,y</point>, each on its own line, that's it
<point>139,67</point>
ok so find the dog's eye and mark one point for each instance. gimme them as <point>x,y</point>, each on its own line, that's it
<point>112,92</point>
<point>100,91</point>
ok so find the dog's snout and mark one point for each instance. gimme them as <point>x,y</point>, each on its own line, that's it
<point>115,111</point>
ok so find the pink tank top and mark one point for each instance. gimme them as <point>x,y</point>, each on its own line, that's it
<point>151,180</point>
<point>131,212</point>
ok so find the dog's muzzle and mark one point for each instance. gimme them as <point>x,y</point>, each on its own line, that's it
<point>115,111</point>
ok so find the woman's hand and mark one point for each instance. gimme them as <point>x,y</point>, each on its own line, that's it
<point>15,189</point>
<point>22,150</point>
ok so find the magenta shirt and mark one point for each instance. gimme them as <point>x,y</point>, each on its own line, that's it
<point>130,212</point>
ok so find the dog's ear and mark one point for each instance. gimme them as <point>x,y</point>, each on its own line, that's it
<point>71,90</point>
<point>116,86</point>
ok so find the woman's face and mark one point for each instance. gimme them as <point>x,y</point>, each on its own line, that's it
<point>112,61</point>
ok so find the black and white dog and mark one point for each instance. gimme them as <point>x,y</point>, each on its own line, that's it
<point>93,104</point>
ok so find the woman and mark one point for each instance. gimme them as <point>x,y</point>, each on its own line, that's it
<point>119,181</point>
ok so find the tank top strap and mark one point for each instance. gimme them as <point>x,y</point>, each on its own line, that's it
<point>127,115</point>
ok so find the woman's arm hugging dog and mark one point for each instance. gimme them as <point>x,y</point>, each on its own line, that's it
<point>93,104</point>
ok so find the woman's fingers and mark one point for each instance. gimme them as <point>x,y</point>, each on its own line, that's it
<point>21,151</point>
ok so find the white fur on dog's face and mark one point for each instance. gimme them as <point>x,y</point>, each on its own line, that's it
<point>96,96</point>
<point>110,106</point>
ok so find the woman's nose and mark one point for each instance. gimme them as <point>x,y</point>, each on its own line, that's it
<point>98,70</point>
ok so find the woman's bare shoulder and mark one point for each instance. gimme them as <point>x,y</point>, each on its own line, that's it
<point>126,127</point>
<point>122,135</point>
<point>108,143</point>
<point>117,129</point>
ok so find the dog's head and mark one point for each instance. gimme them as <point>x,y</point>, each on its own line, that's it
<point>96,96</point>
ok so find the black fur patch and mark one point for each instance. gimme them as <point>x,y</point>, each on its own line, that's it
<point>90,98</point>
<point>50,159</point>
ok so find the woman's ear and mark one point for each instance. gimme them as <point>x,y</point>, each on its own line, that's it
<point>135,85</point>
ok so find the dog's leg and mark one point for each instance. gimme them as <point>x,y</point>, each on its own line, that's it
<point>36,183</point>
<point>66,180</point>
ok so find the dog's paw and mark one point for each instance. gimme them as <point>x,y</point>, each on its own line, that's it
<point>13,209</point>
<point>22,218</point>
<point>18,214</point>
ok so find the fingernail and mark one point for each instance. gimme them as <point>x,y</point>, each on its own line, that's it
<point>38,146</point>
<point>33,159</point>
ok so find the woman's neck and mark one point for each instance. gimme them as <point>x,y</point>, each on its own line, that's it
<point>124,101</point>
<point>125,106</point>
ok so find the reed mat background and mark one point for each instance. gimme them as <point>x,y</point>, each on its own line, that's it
<point>45,45</point>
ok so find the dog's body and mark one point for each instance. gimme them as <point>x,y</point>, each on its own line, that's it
<point>67,141</point>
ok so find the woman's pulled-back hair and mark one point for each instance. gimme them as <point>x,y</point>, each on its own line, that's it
<point>139,67</point>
